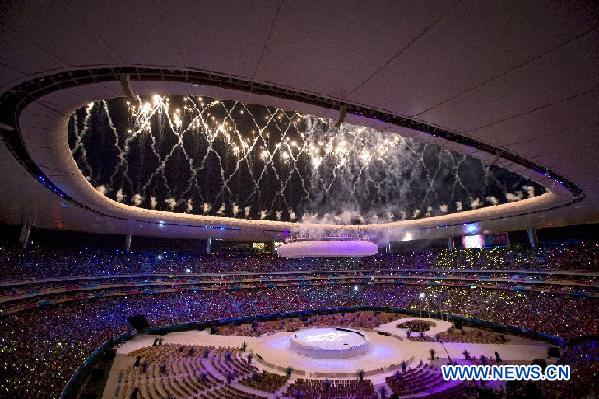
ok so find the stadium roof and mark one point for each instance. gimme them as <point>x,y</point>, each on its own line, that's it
<point>515,84</point>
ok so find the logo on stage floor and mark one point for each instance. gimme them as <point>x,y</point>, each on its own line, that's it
<point>335,336</point>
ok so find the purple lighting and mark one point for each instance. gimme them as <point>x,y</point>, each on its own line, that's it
<point>329,248</point>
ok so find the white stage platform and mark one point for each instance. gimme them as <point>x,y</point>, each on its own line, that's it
<point>382,354</point>
<point>329,343</point>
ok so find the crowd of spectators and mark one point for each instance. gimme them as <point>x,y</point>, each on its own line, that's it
<point>16,297</point>
<point>42,261</point>
<point>43,343</point>
<point>52,289</point>
<point>583,359</point>
<point>40,348</point>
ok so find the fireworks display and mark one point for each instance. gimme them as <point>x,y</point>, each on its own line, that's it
<point>228,158</point>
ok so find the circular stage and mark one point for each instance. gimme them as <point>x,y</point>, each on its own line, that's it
<point>329,343</point>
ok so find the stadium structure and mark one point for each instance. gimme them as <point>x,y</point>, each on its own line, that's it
<point>298,199</point>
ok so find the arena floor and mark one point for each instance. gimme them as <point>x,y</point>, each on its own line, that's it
<point>273,353</point>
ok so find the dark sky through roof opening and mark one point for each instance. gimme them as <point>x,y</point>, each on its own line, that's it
<point>206,156</point>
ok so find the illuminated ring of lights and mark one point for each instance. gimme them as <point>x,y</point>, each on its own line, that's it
<point>15,100</point>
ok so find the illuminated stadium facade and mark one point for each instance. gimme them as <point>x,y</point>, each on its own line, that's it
<point>281,199</point>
